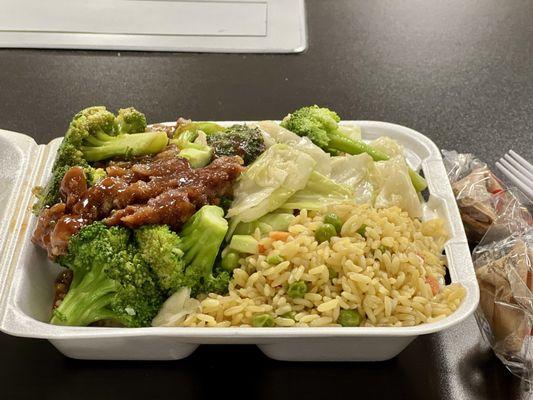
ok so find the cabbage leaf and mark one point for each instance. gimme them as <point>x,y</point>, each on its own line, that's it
<point>273,133</point>
<point>319,192</point>
<point>395,187</point>
<point>269,182</point>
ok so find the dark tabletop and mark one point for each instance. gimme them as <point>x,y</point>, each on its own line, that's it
<point>460,72</point>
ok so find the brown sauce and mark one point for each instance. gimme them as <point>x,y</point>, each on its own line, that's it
<point>163,189</point>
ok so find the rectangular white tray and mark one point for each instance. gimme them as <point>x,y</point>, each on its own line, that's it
<point>26,276</point>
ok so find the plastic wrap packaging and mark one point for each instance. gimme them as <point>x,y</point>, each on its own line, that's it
<point>500,221</point>
<point>479,194</point>
<point>503,262</point>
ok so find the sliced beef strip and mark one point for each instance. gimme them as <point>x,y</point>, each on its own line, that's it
<point>171,207</point>
<point>165,190</point>
<point>73,186</point>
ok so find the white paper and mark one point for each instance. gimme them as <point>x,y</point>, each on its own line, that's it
<point>139,17</point>
<point>233,26</point>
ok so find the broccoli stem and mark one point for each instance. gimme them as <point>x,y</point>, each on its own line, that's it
<point>209,128</point>
<point>87,302</point>
<point>341,143</point>
<point>201,238</point>
<point>126,145</point>
<point>418,182</point>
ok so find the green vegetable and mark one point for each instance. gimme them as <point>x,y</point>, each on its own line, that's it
<point>332,273</point>
<point>101,135</point>
<point>262,320</point>
<point>197,153</point>
<point>111,282</point>
<point>188,259</point>
<point>318,192</point>
<point>269,182</point>
<point>273,132</point>
<point>238,140</point>
<point>320,124</point>
<point>290,315</point>
<point>49,194</point>
<point>209,128</point>
<point>325,232</point>
<point>297,290</point>
<point>160,247</point>
<point>95,134</point>
<point>230,261</point>
<point>352,132</point>
<point>201,238</point>
<point>225,203</point>
<point>274,259</point>
<point>350,318</point>
<point>270,222</point>
<point>277,221</point>
<point>94,175</point>
<point>129,120</point>
<point>244,244</point>
<point>334,220</point>
<point>106,146</point>
<point>362,230</point>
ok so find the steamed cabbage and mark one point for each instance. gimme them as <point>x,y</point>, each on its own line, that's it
<point>395,187</point>
<point>269,182</point>
<point>319,192</point>
<point>351,131</point>
<point>381,184</point>
<point>357,172</point>
<point>293,173</point>
<point>176,308</point>
<point>273,133</point>
<point>388,146</point>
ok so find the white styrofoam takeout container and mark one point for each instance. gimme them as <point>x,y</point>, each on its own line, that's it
<point>26,276</point>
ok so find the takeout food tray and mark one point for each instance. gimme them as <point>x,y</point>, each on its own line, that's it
<point>26,275</point>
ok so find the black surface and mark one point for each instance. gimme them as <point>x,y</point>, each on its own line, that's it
<point>459,72</point>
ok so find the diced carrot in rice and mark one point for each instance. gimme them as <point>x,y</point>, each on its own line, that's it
<point>435,287</point>
<point>279,235</point>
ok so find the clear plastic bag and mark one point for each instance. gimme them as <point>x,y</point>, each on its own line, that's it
<point>504,268</point>
<point>500,221</point>
<point>479,193</point>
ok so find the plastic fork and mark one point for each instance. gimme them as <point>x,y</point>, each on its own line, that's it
<point>518,171</point>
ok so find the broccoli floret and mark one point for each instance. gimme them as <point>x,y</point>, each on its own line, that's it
<point>320,125</point>
<point>103,136</point>
<point>95,134</point>
<point>89,121</point>
<point>216,282</point>
<point>49,194</point>
<point>94,175</point>
<point>129,120</point>
<point>197,153</point>
<point>159,247</point>
<point>225,203</point>
<point>187,259</point>
<point>238,140</point>
<point>69,153</point>
<point>111,281</point>
<point>93,245</point>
